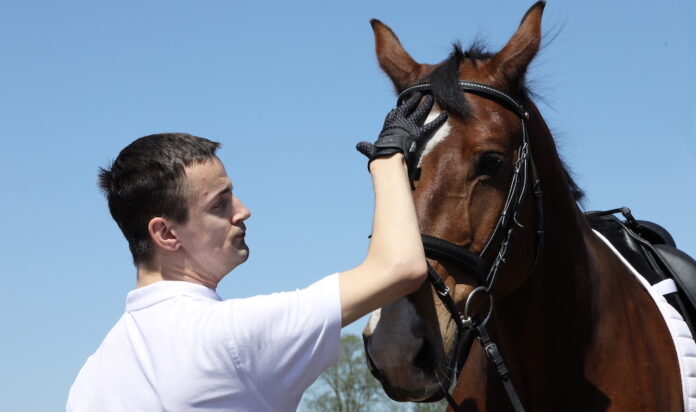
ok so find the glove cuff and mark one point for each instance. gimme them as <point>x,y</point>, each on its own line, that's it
<point>394,142</point>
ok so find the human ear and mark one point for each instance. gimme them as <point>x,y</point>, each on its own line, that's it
<point>162,235</point>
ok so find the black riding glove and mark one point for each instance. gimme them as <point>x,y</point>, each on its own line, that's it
<point>403,129</point>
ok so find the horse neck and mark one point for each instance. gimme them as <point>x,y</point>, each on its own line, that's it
<point>566,256</point>
<point>552,309</point>
<point>566,229</point>
<point>548,328</point>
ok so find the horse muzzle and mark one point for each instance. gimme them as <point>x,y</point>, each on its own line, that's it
<point>402,357</point>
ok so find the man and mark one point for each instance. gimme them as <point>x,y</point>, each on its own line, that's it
<point>178,346</point>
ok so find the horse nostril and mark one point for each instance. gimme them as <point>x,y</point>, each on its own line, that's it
<point>418,330</point>
<point>418,333</point>
<point>424,357</point>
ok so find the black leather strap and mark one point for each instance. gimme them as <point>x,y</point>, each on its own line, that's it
<point>496,359</point>
<point>465,335</point>
<point>437,248</point>
<point>474,87</point>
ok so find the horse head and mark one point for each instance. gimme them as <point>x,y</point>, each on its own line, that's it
<point>462,185</point>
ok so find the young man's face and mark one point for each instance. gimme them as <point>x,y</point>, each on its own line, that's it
<point>213,237</point>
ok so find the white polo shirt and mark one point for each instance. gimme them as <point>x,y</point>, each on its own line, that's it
<point>179,347</point>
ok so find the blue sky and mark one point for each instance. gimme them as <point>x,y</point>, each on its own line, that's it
<point>288,88</point>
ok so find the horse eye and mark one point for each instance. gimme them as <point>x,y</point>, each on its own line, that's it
<point>489,164</point>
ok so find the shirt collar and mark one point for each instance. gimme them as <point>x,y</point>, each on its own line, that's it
<point>160,291</point>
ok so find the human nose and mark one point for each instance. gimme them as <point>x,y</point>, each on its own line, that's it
<point>240,212</point>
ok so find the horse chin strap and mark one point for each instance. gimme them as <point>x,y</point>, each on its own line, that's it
<point>469,326</point>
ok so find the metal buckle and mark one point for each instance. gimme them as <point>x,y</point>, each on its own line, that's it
<point>445,291</point>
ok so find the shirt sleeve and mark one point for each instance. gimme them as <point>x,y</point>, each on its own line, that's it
<point>282,342</point>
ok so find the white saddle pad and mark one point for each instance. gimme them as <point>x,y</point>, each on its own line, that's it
<point>681,335</point>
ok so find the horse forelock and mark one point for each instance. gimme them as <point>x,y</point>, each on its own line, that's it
<point>444,79</point>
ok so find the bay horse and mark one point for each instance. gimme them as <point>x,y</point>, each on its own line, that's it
<point>576,330</point>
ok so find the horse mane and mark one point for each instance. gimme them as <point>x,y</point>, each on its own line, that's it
<point>444,82</point>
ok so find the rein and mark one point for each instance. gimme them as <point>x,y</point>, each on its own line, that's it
<point>468,326</point>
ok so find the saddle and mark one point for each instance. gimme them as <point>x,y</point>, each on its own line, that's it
<point>654,254</point>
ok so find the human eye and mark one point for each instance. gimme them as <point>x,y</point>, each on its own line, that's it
<point>220,204</point>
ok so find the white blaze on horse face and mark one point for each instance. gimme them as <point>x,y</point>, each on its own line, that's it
<point>439,135</point>
<point>373,321</point>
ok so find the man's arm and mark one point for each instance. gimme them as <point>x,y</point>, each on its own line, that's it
<point>395,264</point>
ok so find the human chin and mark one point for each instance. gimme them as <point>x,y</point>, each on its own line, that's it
<point>243,252</point>
<point>239,250</point>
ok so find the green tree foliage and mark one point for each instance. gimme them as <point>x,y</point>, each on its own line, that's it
<point>430,406</point>
<point>348,386</point>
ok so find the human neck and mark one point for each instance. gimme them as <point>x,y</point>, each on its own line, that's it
<point>159,271</point>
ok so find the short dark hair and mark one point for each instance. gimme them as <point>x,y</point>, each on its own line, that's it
<point>146,181</point>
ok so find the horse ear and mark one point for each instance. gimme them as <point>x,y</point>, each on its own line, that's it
<point>393,58</point>
<point>512,61</point>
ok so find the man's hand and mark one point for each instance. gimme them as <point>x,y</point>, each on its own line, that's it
<point>403,129</point>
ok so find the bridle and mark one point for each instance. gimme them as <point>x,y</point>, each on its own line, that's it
<point>468,325</point>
